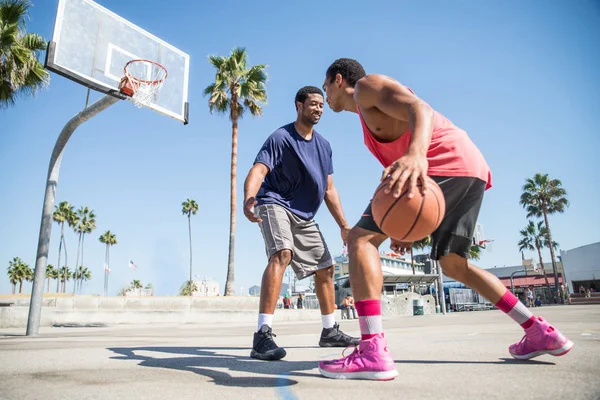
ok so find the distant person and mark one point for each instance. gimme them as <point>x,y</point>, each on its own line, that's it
<point>291,177</point>
<point>286,302</point>
<point>348,303</point>
<point>300,301</point>
<point>529,297</point>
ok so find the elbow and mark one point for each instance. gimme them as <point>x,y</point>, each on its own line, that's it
<point>420,110</point>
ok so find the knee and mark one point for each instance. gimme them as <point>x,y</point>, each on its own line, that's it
<point>281,259</point>
<point>455,267</point>
<point>324,274</point>
<point>356,240</point>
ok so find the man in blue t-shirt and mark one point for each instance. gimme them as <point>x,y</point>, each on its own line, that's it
<point>284,189</point>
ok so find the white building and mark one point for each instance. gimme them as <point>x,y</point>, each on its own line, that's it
<point>206,288</point>
<point>582,267</point>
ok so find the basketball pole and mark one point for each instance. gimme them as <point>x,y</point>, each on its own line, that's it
<point>39,276</point>
<point>441,287</point>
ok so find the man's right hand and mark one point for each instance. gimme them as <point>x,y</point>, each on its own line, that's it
<point>249,210</point>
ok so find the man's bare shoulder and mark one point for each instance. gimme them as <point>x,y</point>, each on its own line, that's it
<point>370,87</point>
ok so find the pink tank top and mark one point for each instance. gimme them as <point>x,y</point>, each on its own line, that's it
<point>451,151</point>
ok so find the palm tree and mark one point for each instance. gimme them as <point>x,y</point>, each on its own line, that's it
<point>109,239</point>
<point>542,196</point>
<point>136,284</point>
<point>86,223</point>
<point>188,288</point>
<point>64,275</point>
<point>63,212</point>
<point>189,208</point>
<point>532,239</point>
<point>236,89</point>
<point>50,274</point>
<point>21,74</point>
<point>19,271</point>
<point>84,275</point>
<point>13,273</point>
<point>28,273</point>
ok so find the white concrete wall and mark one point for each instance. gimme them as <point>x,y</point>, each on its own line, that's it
<point>97,310</point>
<point>581,264</point>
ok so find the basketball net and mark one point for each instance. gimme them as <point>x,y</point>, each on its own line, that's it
<point>146,79</point>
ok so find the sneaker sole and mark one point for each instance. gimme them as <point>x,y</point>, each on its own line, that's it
<point>336,344</point>
<point>276,355</point>
<point>561,351</point>
<point>366,375</point>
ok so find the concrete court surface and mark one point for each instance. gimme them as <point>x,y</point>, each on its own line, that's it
<point>457,356</point>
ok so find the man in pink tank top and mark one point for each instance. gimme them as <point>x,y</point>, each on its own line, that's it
<point>412,141</point>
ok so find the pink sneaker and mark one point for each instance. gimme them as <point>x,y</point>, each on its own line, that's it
<point>540,338</point>
<point>370,360</point>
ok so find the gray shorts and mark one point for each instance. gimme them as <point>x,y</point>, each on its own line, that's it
<point>282,229</point>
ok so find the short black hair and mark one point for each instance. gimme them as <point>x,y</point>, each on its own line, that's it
<point>304,92</point>
<point>349,69</point>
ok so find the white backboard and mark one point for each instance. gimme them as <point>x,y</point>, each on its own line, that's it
<point>91,46</point>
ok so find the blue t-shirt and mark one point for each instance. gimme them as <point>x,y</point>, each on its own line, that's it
<point>298,171</point>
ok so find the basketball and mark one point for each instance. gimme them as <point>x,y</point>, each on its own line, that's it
<point>405,219</point>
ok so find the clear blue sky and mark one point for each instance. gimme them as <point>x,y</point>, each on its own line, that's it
<point>520,77</point>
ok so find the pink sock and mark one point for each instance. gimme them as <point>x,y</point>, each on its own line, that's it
<point>369,318</point>
<point>516,310</point>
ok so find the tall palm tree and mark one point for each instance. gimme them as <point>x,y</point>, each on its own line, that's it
<point>189,208</point>
<point>543,196</point>
<point>86,218</point>
<point>13,272</point>
<point>63,212</point>
<point>109,239</point>
<point>50,274</point>
<point>237,88</point>
<point>21,74</point>
<point>532,239</point>
<point>22,272</point>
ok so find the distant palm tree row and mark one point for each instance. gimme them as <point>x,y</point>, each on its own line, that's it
<point>83,222</point>
<point>541,197</point>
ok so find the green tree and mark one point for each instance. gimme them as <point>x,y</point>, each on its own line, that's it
<point>189,208</point>
<point>14,273</point>
<point>109,239</point>
<point>541,197</point>
<point>81,274</point>
<point>474,253</point>
<point>136,284</point>
<point>21,74</point>
<point>237,88</point>
<point>65,274</point>
<point>188,288</point>
<point>51,273</point>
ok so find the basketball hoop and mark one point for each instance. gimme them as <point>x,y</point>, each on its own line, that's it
<point>142,81</point>
<point>486,244</point>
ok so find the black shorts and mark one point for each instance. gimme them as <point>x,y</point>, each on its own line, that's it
<point>463,197</point>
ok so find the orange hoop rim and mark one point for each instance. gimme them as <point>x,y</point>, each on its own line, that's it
<point>145,81</point>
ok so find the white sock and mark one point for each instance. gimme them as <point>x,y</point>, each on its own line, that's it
<point>265,319</point>
<point>328,320</point>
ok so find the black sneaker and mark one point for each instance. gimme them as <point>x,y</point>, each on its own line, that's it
<point>333,337</point>
<point>264,348</point>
